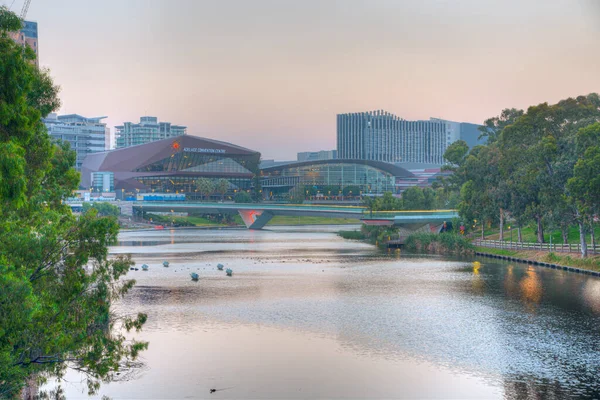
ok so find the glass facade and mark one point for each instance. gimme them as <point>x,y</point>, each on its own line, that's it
<point>340,174</point>
<point>382,136</point>
<point>175,165</point>
<point>209,163</point>
<point>187,184</point>
<point>190,166</point>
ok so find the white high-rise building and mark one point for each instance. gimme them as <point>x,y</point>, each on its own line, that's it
<point>382,136</point>
<point>148,130</point>
<point>86,135</point>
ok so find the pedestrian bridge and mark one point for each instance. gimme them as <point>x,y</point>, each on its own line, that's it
<point>257,215</point>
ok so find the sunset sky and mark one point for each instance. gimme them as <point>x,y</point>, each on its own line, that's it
<point>271,75</point>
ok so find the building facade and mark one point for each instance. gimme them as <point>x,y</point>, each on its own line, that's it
<point>173,166</point>
<point>86,135</point>
<point>370,177</point>
<point>382,136</point>
<point>317,155</point>
<point>146,131</point>
<point>28,36</point>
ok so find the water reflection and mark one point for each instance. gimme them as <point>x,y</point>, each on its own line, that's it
<point>531,289</point>
<point>326,317</point>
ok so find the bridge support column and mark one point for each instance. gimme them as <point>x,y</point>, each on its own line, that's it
<point>255,219</point>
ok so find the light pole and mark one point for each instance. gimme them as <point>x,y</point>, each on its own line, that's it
<point>510,230</point>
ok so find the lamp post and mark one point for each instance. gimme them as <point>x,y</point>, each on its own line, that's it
<point>510,230</point>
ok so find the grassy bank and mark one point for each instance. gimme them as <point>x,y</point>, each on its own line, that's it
<point>285,220</point>
<point>236,220</point>
<point>530,235</point>
<point>443,243</point>
<point>568,260</point>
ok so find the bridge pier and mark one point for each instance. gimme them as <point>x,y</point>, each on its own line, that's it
<point>255,219</point>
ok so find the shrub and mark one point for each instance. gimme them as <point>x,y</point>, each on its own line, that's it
<point>443,243</point>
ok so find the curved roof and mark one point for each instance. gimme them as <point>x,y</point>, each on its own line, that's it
<point>125,162</point>
<point>392,169</point>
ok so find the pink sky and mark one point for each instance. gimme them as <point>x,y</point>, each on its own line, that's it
<point>272,74</point>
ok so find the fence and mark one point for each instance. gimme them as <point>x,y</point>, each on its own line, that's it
<point>560,248</point>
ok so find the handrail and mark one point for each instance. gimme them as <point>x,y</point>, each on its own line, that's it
<point>556,247</point>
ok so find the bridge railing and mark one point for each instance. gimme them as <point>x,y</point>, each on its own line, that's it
<point>449,214</point>
<point>554,247</point>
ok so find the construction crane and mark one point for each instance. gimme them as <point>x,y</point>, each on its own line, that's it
<point>24,9</point>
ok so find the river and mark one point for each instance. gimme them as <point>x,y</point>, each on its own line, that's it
<point>307,314</point>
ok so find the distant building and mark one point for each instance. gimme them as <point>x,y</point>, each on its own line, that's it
<point>103,181</point>
<point>273,163</point>
<point>28,36</point>
<point>462,131</point>
<point>382,136</point>
<point>369,177</point>
<point>171,166</point>
<point>147,131</point>
<point>86,135</point>
<point>317,155</point>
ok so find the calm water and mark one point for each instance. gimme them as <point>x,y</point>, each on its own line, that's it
<point>308,314</point>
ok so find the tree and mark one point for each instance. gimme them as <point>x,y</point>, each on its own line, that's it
<point>351,191</point>
<point>492,127</point>
<point>221,187</point>
<point>103,209</point>
<point>456,153</point>
<point>413,198</point>
<point>242,197</point>
<point>205,187</point>
<point>584,185</point>
<point>57,283</point>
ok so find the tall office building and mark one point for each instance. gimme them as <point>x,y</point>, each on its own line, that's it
<point>86,135</point>
<point>28,36</point>
<point>148,130</point>
<point>317,155</point>
<point>382,136</point>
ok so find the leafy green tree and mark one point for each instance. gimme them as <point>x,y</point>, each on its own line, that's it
<point>221,187</point>
<point>103,209</point>
<point>56,281</point>
<point>205,187</point>
<point>351,191</point>
<point>242,197</point>
<point>413,198</point>
<point>456,153</point>
<point>492,127</point>
<point>584,185</point>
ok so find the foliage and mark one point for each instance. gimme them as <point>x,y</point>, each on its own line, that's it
<point>205,187</point>
<point>221,187</point>
<point>242,197</point>
<point>57,283</point>
<point>352,235</point>
<point>104,209</point>
<point>443,243</point>
<point>539,165</point>
<point>351,191</point>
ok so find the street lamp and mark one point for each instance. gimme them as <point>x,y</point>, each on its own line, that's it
<point>510,230</point>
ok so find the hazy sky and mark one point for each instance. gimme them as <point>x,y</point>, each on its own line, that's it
<point>272,74</point>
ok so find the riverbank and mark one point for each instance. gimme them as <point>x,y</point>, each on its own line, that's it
<point>236,221</point>
<point>592,263</point>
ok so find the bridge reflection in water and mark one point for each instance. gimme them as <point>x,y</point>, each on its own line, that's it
<point>256,216</point>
